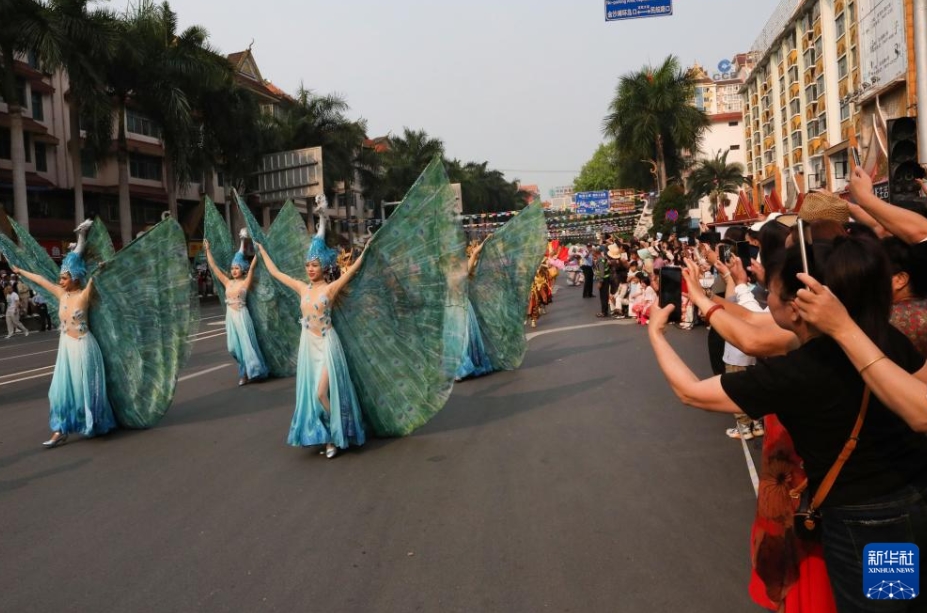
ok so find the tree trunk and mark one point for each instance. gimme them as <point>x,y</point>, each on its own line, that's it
<point>74,151</point>
<point>170,183</point>
<point>17,142</point>
<point>661,165</point>
<point>122,159</point>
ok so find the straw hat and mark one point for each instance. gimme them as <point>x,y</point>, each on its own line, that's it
<point>824,205</point>
<point>614,252</point>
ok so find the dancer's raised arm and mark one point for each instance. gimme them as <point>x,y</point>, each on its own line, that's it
<point>221,276</point>
<point>294,284</point>
<point>39,280</point>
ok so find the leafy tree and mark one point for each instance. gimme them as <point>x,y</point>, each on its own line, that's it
<point>652,118</point>
<point>673,198</point>
<point>25,26</point>
<point>85,39</point>
<point>600,172</point>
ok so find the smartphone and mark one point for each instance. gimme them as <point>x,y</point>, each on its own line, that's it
<point>671,290</point>
<point>855,153</point>
<point>747,253</point>
<point>724,253</point>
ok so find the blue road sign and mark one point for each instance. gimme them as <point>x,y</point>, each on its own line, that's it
<point>591,203</point>
<point>619,10</point>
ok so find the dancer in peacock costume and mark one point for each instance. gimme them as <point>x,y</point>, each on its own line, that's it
<point>239,330</point>
<point>541,294</point>
<point>501,285</point>
<point>475,362</point>
<point>400,318</point>
<point>124,372</point>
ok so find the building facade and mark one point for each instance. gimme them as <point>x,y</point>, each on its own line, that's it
<point>718,95</point>
<point>49,175</point>
<point>829,74</point>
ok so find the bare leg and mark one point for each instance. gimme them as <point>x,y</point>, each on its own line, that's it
<point>323,391</point>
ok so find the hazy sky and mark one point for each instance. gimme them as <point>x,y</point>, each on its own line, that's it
<point>522,85</point>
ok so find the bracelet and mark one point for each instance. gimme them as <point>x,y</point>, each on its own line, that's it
<point>711,312</point>
<point>881,357</point>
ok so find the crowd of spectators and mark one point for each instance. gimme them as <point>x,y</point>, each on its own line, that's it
<point>826,345</point>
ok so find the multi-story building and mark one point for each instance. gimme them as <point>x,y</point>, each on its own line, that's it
<point>718,95</point>
<point>49,175</point>
<point>828,75</point>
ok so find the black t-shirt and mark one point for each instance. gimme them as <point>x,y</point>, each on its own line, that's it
<point>816,393</point>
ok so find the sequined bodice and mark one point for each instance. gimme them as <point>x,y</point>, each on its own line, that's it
<point>317,313</point>
<point>240,301</point>
<point>72,320</point>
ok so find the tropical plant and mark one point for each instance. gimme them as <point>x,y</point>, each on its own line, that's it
<point>25,26</point>
<point>716,178</point>
<point>85,38</point>
<point>652,119</point>
<point>670,213</point>
<point>485,190</point>
<point>600,172</point>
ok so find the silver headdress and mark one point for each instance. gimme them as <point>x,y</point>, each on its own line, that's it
<point>318,249</point>
<point>239,259</point>
<point>73,263</point>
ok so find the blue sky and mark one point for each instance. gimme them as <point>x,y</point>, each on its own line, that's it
<point>521,84</point>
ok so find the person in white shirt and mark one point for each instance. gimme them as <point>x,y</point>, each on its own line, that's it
<point>12,313</point>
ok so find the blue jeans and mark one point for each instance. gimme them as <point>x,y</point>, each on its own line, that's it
<point>899,517</point>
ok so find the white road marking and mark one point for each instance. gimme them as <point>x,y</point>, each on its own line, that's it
<point>202,372</point>
<point>751,468</point>
<point>611,322</point>
<point>46,374</point>
<point>25,355</point>
<point>23,372</point>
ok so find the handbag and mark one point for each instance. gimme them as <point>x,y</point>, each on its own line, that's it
<point>807,518</point>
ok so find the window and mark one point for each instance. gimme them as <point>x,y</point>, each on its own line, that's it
<point>795,107</point>
<point>41,160</point>
<point>27,145</point>
<point>137,123</point>
<point>145,167</point>
<point>733,123</point>
<point>20,91</point>
<point>32,58</point>
<point>841,25</point>
<point>5,144</point>
<point>220,179</point>
<point>842,67</point>
<point>88,166</point>
<point>844,112</point>
<point>735,147</point>
<point>38,111</point>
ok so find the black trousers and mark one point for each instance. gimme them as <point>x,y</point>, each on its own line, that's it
<point>604,290</point>
<point>587,281</point>
<point>716,352</point>
<point>44,319</point>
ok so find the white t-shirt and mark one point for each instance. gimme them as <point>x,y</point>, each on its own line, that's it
<point>12,303</point>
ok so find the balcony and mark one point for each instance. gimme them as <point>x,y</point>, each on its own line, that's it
<point>796,155</point>
<point>794,91</point>
<point>793,57</point>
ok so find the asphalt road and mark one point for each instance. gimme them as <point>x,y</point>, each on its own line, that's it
<point>577,483</point>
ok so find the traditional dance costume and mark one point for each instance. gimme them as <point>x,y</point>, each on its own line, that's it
<point>320,353</point>
<point>77,396</point>
<point>242,340</point>
<point>476,361</point>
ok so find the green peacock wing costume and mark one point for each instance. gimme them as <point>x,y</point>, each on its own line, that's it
<point>402,319</point>
<point>143,311</point>
<point>502,282</point>
<point>274,307</point>
<point>31,256</point>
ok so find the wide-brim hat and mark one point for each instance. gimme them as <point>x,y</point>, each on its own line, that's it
<point>824,205</point>
<point>614,252</point>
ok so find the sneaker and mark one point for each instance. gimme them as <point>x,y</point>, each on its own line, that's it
<point>732,432</point>
<point>758,429</point>
<point>745,430</point>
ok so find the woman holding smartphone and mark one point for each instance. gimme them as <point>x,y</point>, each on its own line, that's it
<point>817,393</point>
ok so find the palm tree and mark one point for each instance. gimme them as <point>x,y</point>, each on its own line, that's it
<point>652,118</point>
<point>24,27</point>
<point>86,42</point>
<point>715,178</point>
<point>407,155</point>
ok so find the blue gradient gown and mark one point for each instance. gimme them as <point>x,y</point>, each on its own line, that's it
<point>475,360</point>
<point>320,352</point>
<point>242,340</point>
<point>77,396</point>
